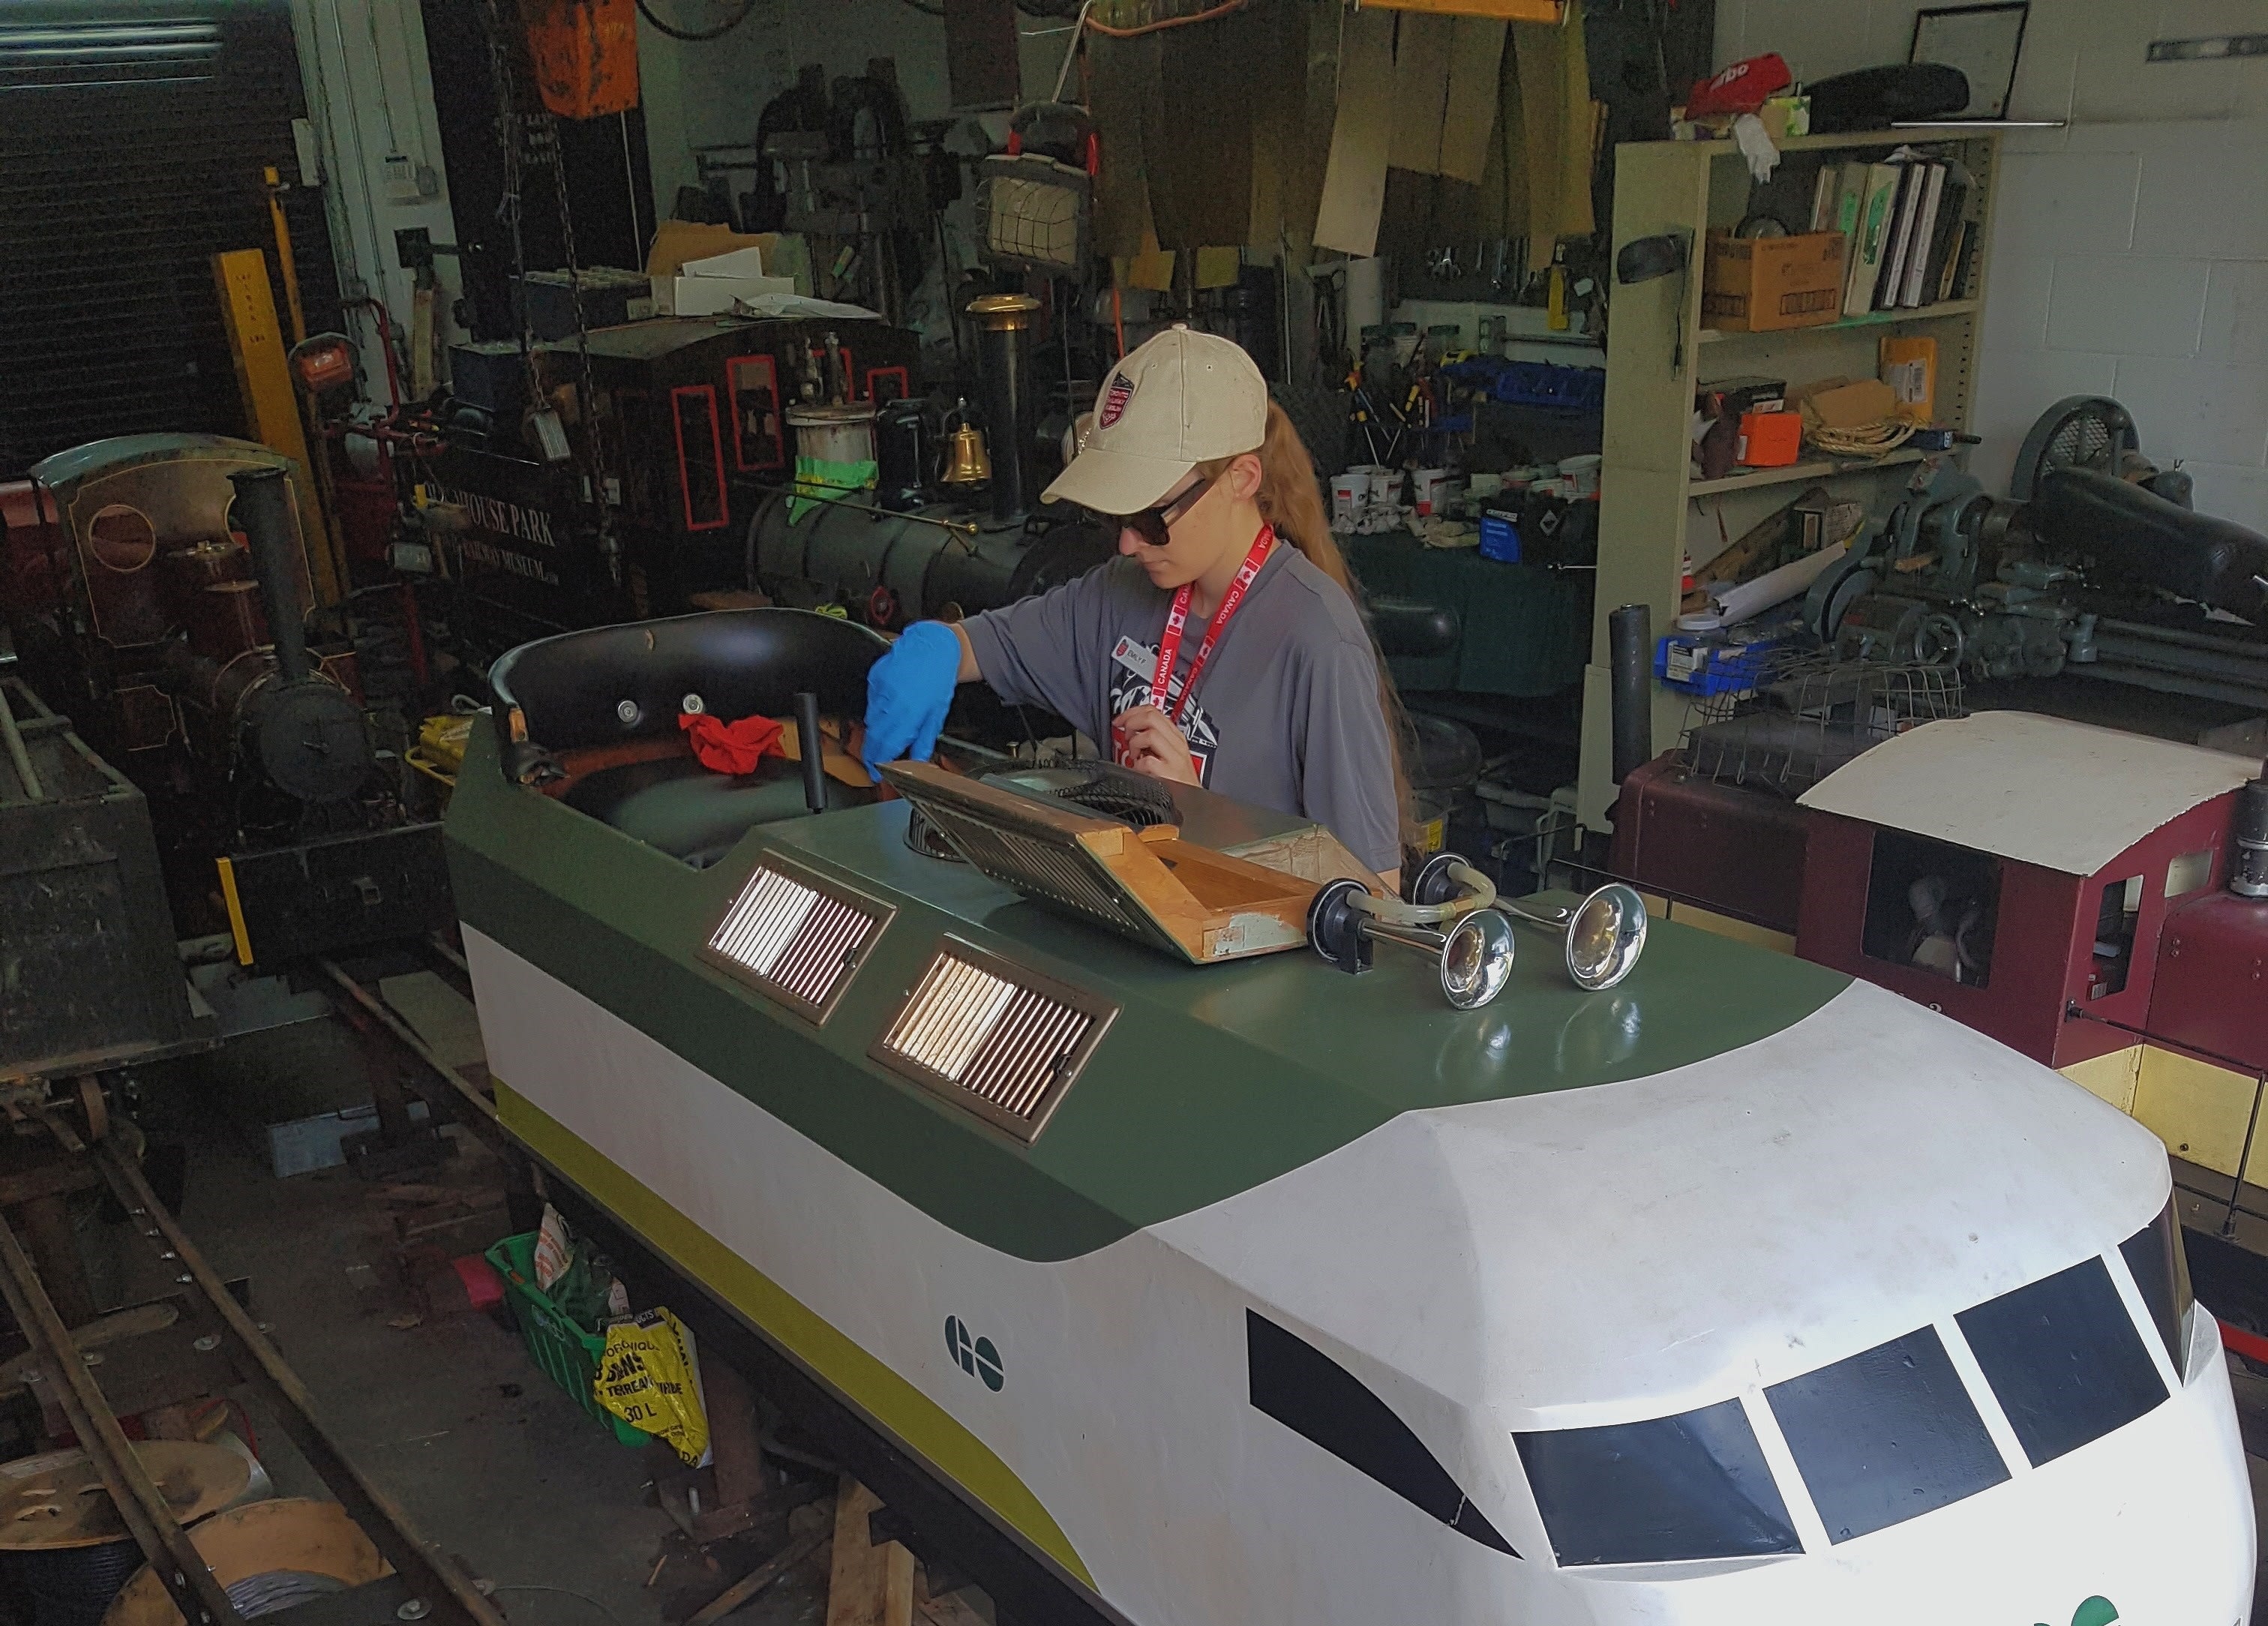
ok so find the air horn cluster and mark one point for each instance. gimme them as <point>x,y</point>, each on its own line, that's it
<point>1452,912</point>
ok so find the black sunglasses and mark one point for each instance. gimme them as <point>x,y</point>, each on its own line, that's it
<point>1152,524</point>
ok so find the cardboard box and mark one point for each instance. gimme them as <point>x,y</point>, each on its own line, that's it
<point>1763,284</point>
<point>713,296</point>
<point>1853,405</point>
<point>677,241</point>
<point>1909,366</point>
<point>1770,439</point>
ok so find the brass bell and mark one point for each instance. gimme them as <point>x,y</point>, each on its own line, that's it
<point>966,461</point>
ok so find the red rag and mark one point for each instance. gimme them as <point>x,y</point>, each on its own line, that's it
<point>724,747</point>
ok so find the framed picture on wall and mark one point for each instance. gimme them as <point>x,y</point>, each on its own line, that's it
<point>1981,41</point>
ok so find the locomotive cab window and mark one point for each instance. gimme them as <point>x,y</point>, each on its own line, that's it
<point>1691,1486</point>
<point>2065,1359</point>
<point>1885,1436</point>
<point>1931,905</point>
<point>1315,1397</point>
<point>700,456</point>
<point>2162,1271</point>
<point>2116,915</point>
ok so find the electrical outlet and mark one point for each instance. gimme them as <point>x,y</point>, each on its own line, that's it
<point>401,170</point>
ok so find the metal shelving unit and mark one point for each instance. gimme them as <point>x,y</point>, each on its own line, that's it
<point>1659,355</point>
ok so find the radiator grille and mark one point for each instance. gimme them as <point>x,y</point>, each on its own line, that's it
<point>1038,868</point>
<point>991,1037</point>
<point>795,940</point>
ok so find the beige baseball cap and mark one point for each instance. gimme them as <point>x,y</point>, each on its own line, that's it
<point>1174,401</point>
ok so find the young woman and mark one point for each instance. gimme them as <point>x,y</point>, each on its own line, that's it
<point>1209,651</point>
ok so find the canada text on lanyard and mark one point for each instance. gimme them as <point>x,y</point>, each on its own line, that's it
<point>1177,619</point>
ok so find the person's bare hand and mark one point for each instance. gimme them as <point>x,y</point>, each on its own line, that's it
<point>1155,746</point>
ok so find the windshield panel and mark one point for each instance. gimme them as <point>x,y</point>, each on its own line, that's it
<point>2162,1270</point>
<point>1693,1486</point>
<point>2065,1360</point>
<point>1886,1436</point>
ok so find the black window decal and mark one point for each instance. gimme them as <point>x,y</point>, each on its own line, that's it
<point>1886,1436</point>
<point>2162,1270</point>
<point>1693,1486</point>
<point>2065,1359</point>
<point>1312,1394</point>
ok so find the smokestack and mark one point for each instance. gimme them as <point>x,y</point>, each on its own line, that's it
<point>1629,665</point>
<point>263,512</point>
<point>1011,403</point>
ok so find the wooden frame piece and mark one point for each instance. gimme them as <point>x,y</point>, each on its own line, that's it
<point>1191,901</point>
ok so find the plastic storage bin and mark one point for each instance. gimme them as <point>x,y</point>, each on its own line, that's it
<point>565,1350</point>
<point>1500,536</point>
<point>1700,665</point>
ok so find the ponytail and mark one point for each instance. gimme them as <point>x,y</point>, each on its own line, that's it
<point>1291,499</point>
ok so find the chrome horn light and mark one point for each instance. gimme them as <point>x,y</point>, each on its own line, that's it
<point>1605,934</point>
<point>1472,944</point>
<point>1476,959</point>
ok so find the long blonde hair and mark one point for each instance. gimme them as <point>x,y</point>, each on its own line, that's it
<point>1291,498</point>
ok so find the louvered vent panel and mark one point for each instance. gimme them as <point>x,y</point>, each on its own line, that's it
<point>793,941</point>
<point>1024,1051</point>
<point>1003,1042</point>
<point>1019,861</point>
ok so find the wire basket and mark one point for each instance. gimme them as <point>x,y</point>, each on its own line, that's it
<point>1808,714</point>
<point>1035,212</point>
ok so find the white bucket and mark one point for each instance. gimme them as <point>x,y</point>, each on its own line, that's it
<point>834,434</point>
<point>1349,494</point>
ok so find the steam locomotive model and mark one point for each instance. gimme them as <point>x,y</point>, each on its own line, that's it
<point>711,434</point>
<point>157,589</point>
<point>1740,1291</point>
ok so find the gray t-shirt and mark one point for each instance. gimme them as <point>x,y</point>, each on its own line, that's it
<point>1286,714</point>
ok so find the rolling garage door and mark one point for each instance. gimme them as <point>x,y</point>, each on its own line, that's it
<point>132,137</point>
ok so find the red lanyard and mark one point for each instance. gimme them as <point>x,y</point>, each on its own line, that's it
<point>1177,619</point>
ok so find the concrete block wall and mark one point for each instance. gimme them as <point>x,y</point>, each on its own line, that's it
<point>2129,250</point>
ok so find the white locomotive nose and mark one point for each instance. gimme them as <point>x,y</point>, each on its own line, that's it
<point>2151,1523</point>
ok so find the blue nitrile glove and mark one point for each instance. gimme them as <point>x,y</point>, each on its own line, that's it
<point>908,692</point>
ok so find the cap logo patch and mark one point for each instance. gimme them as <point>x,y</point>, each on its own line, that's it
<point>1114,399</point>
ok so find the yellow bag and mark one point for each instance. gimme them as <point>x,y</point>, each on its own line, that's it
<point>646,1377</point>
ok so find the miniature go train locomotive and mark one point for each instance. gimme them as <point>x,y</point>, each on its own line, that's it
<point>1740,1290</point>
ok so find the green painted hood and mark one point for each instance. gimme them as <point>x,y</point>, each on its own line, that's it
<point>1211,1080</point>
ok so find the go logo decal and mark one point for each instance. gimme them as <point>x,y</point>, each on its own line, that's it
<point>2094,1611</point>
<point>979,1358</point>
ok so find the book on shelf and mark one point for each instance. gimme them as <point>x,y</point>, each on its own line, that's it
<point>1822,198</point>
<point>1951,209</point>
<point>1953,281</point>
<point>1891,281</point>
<point>1871,238</point>
<point>1850,203</point>
<point>1911,290</point>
